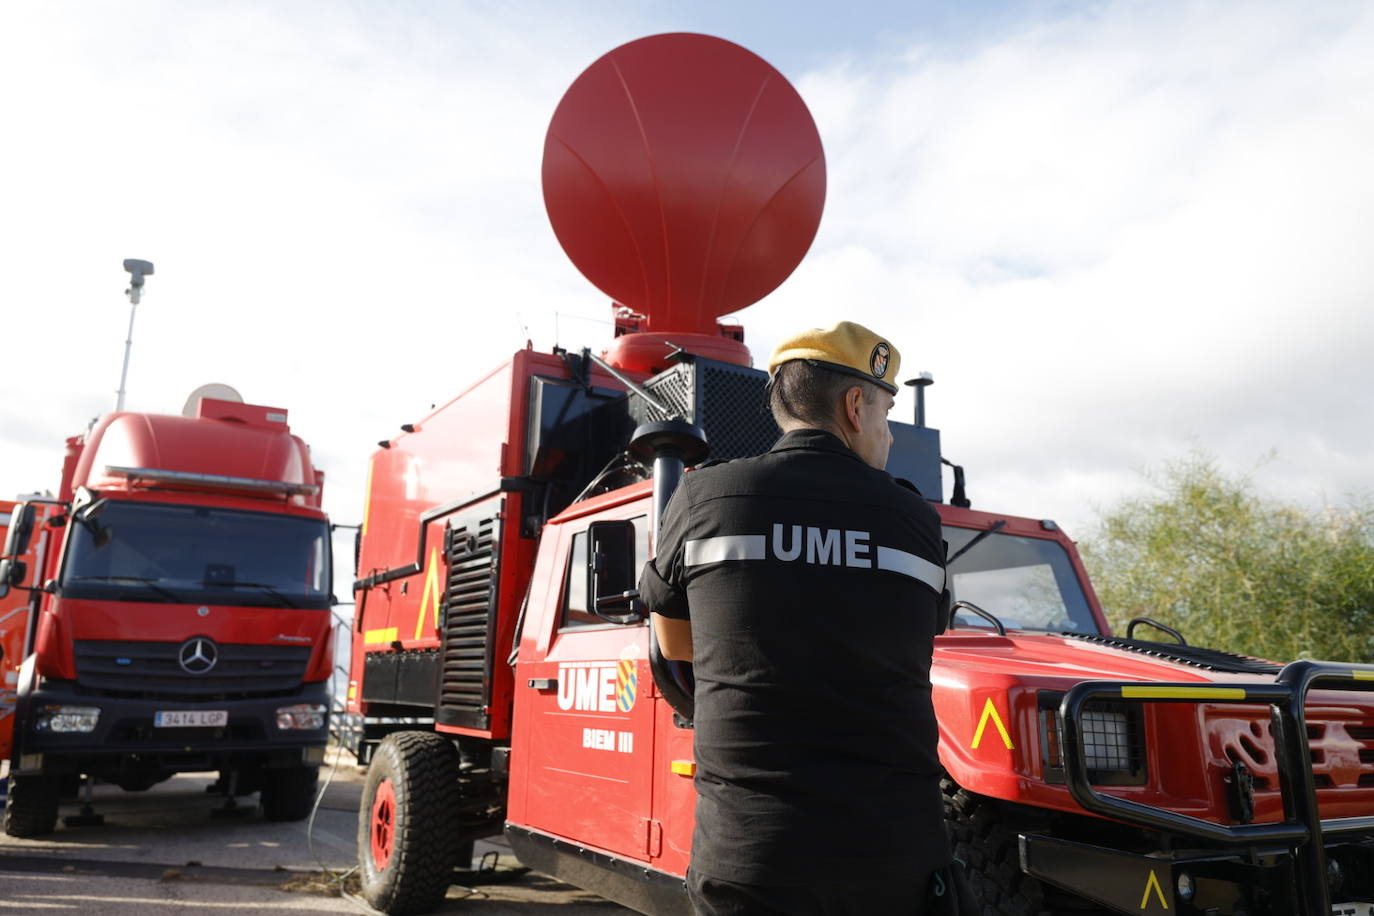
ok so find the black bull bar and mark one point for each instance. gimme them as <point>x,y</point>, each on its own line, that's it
<point>1302,832</point>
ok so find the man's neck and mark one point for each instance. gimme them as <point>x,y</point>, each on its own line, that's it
<point>795,425</point>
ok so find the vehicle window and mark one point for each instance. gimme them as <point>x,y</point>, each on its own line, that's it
<point>576,613</point>
<point>183,554</point>
<point>1028,583</point>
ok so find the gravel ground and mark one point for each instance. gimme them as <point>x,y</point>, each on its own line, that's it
<point>162,852</point>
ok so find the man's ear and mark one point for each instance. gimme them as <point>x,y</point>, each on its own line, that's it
<point>852,398</point>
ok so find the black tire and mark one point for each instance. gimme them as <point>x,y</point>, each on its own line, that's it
<point>31,809</point>
<point>288,794</point>
<point>407,842</point>
<point>984,834</point>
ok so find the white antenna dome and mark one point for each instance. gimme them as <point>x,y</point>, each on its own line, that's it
<point>212,390</point>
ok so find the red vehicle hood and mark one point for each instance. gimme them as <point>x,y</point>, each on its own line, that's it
<point>1050,657</point>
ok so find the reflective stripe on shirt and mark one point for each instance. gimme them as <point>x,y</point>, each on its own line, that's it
<point>736,547</point>
<point>908,564</point>
<point>729,547</point>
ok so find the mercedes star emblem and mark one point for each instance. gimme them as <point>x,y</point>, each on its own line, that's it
<point>198,655</point>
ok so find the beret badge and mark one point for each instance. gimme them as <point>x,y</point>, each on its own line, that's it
<point>877,362</point>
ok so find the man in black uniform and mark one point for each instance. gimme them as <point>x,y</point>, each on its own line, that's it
<point>803,584</point>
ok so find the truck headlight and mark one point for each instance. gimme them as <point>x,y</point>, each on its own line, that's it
<point>302,716</point>
<point>1107,740</point>
<point>66,719</point>
<point>1113,741</point>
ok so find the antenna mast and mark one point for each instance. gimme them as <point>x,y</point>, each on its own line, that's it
<point>137,271</point>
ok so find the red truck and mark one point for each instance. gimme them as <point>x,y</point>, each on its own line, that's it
<point>509,680</point>
<point>175,614</point>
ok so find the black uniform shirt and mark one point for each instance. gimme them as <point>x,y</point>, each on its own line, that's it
<point>811,582</point>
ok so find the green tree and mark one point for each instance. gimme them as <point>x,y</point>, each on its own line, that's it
<point>1203,552</point>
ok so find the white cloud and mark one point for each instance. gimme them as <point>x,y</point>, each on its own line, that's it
<point>1114,235</point>
<point>1110,234</point>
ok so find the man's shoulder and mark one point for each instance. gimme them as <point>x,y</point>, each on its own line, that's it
<point>718,474</point>
<point>908,495</point>
<point>786,470</point>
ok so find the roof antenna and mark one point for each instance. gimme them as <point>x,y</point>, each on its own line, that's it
<point>920,383</point>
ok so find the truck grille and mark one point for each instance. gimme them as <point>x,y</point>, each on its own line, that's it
<point>151,669</point>
<point>470,547</point>
<point>1341,741</point>
<point>1342,753</point>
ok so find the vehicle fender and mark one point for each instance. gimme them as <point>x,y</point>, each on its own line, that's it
<point>28,681</point>
<point>322,658</point>
<point>989,733</point>
<point>53,648</point>
<point>28,677</point>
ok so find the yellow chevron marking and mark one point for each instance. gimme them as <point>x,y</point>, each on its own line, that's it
<point>379,637</point>
<point>990,712</point>
<point>1183,693</point>
<point>1152,884</point>
<point>432,593</point>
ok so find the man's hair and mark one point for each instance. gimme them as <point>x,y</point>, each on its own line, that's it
<point>800,392</point>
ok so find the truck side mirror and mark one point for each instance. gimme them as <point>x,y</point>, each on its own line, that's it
<point>21,530</point>
<point>12,572</point>
<point>611,572</point>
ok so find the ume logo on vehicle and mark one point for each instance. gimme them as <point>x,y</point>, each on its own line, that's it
<point>598,686</point>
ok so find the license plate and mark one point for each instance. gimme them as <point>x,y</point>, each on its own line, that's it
<point>1352,909</point>
<point>191,718</point>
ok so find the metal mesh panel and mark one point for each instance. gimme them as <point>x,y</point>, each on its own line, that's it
<point>739,422</point>
<point>726,401</point>
<point>1108,740</point>
<point>674,390</point>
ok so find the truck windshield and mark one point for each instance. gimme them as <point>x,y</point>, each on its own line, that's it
<point>183,554</point>
<point>1028,583</point>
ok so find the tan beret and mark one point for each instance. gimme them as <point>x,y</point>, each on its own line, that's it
<point>847,347</point>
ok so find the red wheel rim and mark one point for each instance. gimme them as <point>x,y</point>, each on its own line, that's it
<point>382,831</point>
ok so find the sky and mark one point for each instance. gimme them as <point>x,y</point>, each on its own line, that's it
<point>1114,232</point>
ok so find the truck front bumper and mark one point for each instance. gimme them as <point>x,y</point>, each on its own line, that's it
<point>1295,867</point>
<point>1197,882</point>
<point>126,727</point>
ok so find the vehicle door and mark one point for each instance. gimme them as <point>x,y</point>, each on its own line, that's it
<point>591,737</point>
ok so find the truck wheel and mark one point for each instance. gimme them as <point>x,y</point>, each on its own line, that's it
<point>407,837</point>
<point>984,835</point>
<point>31,809</point>
<point>288,794</point>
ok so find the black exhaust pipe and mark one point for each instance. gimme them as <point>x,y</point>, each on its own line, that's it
<point>673,446</point>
